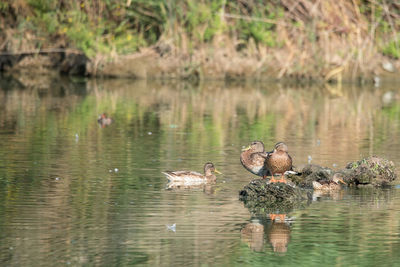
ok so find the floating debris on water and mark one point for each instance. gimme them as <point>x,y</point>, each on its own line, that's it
<point>57,178</point>
<point>318,142</point>
<point>309,159</point>
<point>116,169</point>
<point>76,137</point>
<point>149,133</point>
<point>172,227</point>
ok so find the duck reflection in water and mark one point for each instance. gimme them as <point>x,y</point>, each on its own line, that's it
<point>279,235</point>
<point>253,234</point>
<point>276,230</point>
<point>209,189</point>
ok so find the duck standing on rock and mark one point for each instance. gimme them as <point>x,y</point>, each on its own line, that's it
<point>191,177</point>
<point>253,159</point>
<point>329,185</point>
<point>278,162</point>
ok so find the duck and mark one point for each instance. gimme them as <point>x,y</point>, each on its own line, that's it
<point>104,121</point>
<point>278,162</point>
<point>329,185</point>
<point>253,159</point>
<point>192,177</point>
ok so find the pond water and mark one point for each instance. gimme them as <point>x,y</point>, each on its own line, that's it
<point>75,193</point>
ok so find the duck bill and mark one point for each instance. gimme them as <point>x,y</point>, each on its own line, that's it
<point>247,148</point>
<point>343,182</point>
<point>216,171</point>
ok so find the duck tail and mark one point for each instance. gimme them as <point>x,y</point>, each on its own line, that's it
<point>169,175</point>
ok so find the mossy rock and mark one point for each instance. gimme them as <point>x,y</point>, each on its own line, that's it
<point>309,173</point>
<point>373,171</point>
<point>261,197</point>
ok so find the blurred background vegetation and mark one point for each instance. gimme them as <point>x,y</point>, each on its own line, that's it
<point>297,37</point>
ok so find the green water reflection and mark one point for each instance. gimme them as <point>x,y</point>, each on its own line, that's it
<point>74,193</point>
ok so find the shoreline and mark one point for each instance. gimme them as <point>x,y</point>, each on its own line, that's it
<point>149,64</point>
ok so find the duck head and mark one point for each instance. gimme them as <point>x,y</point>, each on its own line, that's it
<point>338,178</point>
<point>255,146</point>
<point>209,169</point>
<point>281,147</point>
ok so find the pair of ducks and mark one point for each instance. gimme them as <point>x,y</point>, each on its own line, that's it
<point>259,162</point>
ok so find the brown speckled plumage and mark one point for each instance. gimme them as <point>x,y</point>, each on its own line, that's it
<point>193,177</point>
<point>253,159</point>
<point>329,185</point>
<point>279,161</point>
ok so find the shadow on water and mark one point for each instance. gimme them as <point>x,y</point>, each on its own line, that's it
<point>74,192</point>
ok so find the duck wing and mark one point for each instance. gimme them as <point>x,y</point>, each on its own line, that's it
<point>183,175</point>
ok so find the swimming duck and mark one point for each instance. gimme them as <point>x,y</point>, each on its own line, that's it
<point>191,177</point>
<point>104,121</point>
<point>253,159</point>
<point>329,185</point>
<point>278,162</point>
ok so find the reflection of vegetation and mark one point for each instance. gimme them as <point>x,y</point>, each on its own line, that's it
<point>92,205</point>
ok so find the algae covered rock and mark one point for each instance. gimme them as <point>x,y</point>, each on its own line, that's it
<point>309,173</point>
<point>373,171</point>
<point>259,196</point>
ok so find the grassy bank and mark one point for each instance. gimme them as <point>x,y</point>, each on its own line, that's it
<point>213,38</point>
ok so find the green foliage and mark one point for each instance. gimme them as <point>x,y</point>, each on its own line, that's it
<point>122,26</point>
<point>392,49</point>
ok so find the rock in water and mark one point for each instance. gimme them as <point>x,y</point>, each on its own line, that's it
<point>262,197</point>
<point>373,171</point>
<point>310,173</point>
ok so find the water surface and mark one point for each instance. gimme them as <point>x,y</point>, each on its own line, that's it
<point>75,193</point>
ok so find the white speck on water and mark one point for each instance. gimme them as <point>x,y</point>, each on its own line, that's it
<point>334,165</point>
<point>57,178</point>
<point>116,169</point>
<point>76,137</point>
<point>172,227</point>
<point>149,133</point>
<point>109,170</point>
<point>309,159</point>
<point>11,248</point>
